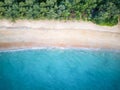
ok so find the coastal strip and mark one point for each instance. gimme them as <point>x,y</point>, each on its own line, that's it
<point>17,39</point>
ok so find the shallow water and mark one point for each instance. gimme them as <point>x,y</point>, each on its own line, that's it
<point>57,69</point>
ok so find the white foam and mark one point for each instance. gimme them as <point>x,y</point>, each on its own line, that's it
<point>60,48</point>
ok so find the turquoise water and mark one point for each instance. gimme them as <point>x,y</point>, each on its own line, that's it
<point>57,69</point>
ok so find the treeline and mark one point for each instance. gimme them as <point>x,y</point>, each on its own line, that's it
<point>103,12</point>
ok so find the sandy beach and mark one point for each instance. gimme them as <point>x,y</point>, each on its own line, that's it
<point>58,35</point>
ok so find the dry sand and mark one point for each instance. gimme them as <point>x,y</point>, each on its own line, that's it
<point>55,25</point>
<point>59,34</point>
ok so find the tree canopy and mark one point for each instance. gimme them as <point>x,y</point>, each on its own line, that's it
<point>103,12</point>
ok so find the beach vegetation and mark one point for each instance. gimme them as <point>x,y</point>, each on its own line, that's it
<point>102,12</point>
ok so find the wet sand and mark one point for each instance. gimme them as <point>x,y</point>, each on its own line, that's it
<point>16,39</point>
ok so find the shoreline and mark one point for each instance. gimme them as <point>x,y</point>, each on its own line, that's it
<point>58,48</point>
<point>17,39</point>
<point>62,34</point>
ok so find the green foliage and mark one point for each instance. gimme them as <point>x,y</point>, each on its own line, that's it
<point>9,2</point>
<point>103,12</point>
<point>106,14</point>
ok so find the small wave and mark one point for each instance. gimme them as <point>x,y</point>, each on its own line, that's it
<point>59,48</point>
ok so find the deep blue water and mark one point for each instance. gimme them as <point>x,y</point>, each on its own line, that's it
<point>57,69</point>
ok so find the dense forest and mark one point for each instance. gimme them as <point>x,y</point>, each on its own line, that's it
<point>103,12</point>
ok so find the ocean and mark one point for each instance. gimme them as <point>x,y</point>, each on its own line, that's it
<point>60,69</point>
